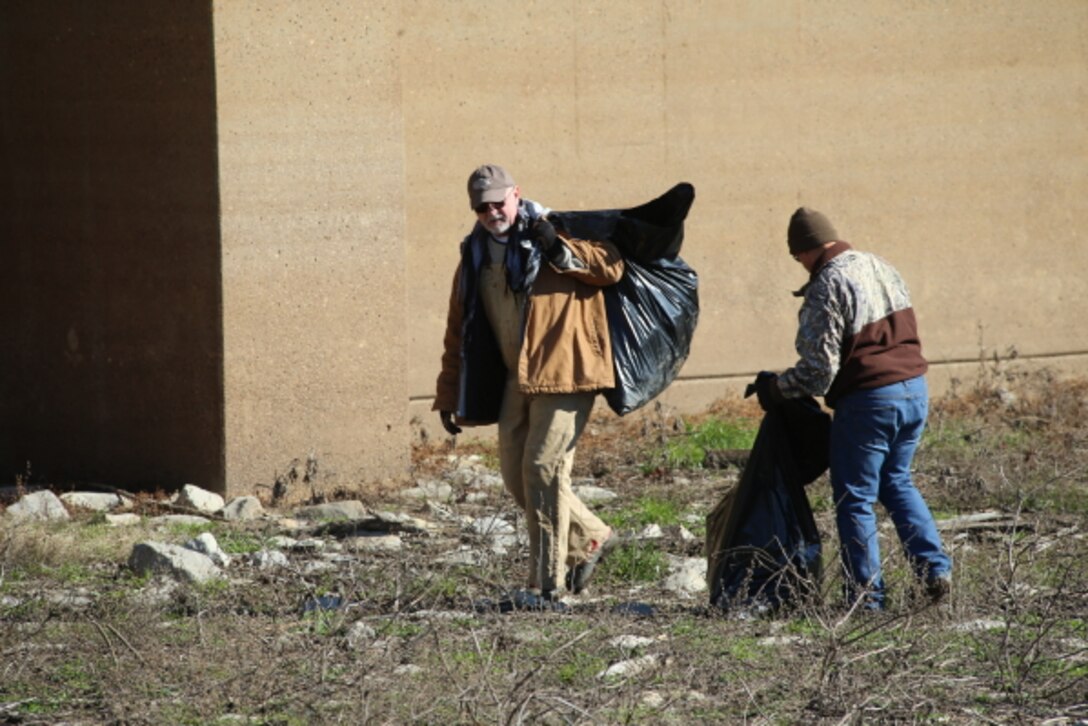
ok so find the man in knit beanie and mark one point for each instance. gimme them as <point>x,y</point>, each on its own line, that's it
<point>858,347</point>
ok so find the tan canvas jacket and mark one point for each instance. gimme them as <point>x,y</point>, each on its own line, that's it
<point>566,346</point>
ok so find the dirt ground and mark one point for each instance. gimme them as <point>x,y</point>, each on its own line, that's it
<point>1003,465</point>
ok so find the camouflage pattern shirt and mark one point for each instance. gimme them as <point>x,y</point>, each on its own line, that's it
<point>856,328</point>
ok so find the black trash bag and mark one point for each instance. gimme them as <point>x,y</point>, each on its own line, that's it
<point>653,310</point>
<point>652,313</point>
<point>645,233</point>
<point>763,548</point>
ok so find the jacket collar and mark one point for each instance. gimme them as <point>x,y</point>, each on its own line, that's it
<point>828,254</point>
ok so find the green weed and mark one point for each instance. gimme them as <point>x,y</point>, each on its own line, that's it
<point>689,450</point>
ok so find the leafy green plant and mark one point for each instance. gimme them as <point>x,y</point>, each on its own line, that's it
<point>640,563</point>
<point>643,511</point>
<point>689,450</point>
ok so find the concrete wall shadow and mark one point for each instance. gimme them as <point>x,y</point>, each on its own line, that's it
<point>111,243</point>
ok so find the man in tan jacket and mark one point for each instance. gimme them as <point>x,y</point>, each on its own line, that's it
<point>527,346</point>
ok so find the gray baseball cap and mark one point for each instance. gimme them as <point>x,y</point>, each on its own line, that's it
<point>489,183</point>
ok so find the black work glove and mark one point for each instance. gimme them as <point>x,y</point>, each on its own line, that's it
<point>543,234</point>
<point>766,389</point>
<point>447,423</point>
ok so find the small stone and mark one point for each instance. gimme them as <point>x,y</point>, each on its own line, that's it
<point>268,559</point>
<point>593,493</point>
<point>95,501</point>
<point>347,509</point>
<point>492,524</point>
<point>243,509</point>
<point>376,543</point>
<point>359,635</point>
<point>439,491</point>
<point>628,668</point>
<point>125,519</point>
<point>199,499</point>
<point>206,544</point>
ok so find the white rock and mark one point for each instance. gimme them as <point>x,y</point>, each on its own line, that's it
<point>206,544</point>
<point>199,499</point>
<point>243,509</point>
<point>95,501</point>
<point>630,642</point>
<point>359,635</point>
<point>975,626</point>
<point>487,481</point>
<point>181,563</point>
<point>592,493</point>
<point>493,524</point>
<point>651,531</point>
<point>41,506</point>
<point>408,669</point>
<point>687,575</point>
<point>125,519</point>
<point>629,668</point>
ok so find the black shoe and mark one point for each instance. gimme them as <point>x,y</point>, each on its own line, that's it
<point>938,588</point>
<point>580,574</point>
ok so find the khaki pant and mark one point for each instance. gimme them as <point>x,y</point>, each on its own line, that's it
<point>537,437</point>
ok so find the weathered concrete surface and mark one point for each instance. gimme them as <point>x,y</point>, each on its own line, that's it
<point>229,229</point>
<point>949,138</point>
<point>312,186</point>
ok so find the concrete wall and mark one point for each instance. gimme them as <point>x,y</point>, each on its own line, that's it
<point>949,137</point>
<point>229,228</point>
<point>312,183</point>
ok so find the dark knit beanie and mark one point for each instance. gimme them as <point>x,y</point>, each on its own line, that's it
<point>808,230</point>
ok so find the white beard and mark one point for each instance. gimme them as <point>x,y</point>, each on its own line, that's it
<point>498,225</point>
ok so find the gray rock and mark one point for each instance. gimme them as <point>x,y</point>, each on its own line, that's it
<point>347,509</point>
<point>96,501</point>
<point>42,506</point>
<point>243,509</point>
<point>174,560</point>
<point>199,499</point>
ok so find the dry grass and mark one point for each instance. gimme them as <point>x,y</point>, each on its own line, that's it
<point>1010,646</point>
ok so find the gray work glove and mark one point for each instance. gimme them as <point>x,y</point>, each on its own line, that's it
<point>447,423</point>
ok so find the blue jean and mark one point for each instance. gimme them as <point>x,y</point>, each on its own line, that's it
<point>874,435</point>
